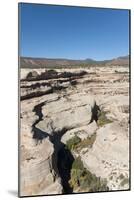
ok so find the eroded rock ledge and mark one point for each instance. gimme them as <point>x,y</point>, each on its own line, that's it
<point>69,109</point>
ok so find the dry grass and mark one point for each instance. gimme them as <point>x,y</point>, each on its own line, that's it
<point>102,119</point>
<point>86,142</point>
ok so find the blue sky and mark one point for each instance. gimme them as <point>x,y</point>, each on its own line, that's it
<point>73,32</point>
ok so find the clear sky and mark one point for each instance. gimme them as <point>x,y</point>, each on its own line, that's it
<point>73,32</point>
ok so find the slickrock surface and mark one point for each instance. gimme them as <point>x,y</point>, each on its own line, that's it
<point>62,103</point>
<point>82,132</point>
<point>108,158</point>
<point>38,170</point>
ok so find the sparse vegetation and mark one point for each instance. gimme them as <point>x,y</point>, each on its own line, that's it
<point>72,143</point>
<point>102,118</point>
<point>80,178</point>
<point>111,177</point>
<point>75,143</point>
<point>124,182</point>
<point>86,142</point>
<point>121,176</point>
<point>83,180</point>
<point>32,75</point>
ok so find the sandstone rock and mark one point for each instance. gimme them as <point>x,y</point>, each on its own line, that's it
<point>68,110</point>
<point>37,170</point>
<point>37,167</point>
<point>65,114</point>
<point>82,132</point>
<point>109,156</point>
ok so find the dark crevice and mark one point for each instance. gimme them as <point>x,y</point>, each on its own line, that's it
<point>41,93</point>
<point>38,134</point>
<point>65,161</point>
<point>95,112</point>
<point>36,94</point>
<point>49,84</point>
<point>36,85</point>
<point>38,110</point>
<point>33,88</point>
<point>52,74</point>
<point>62,158</point>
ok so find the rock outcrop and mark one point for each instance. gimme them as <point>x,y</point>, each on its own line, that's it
<point>108,158</point>
<point>37,172</point>
<point>68,104</point>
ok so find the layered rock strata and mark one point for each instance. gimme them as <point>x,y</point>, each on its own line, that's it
<point>53,110</point>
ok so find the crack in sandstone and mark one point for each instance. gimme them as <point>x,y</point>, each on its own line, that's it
<point>61,155</point>
<point>62,158</point>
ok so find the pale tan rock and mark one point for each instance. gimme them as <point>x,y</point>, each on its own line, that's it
<point>70,110</point>
<point>64,114</point>
<point>82,132</point>
<point>109,156</point>
<point>37,169</point>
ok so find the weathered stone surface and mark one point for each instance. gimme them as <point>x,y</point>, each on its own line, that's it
<point>82,132</point>
<point>37,170</point>
<point>67,114</point>
<point>109,156</point>
<point>64,110</point>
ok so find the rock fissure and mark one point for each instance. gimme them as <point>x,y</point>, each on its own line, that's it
<point>62,158</point>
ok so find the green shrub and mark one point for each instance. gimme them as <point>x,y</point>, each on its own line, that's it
<point>86,142</point>
<point>77,164</point>
<point>71,143</point>
<point>102,118</point>
<point>124,182</point>
<point>84,180</point>
<point>77,144</point>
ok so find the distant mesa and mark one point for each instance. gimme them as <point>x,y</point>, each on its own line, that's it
<point>30,62</point>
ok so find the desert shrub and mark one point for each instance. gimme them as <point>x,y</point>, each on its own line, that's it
<point>49,74</point>
<point>102,118</point>
<point>98,185</point>
<point>121,176</point>
<point>32,75</point>
<point>84,180</point>
<point>71,143</point>
<point>124,182</point>
<point>77,144</point>
<point>86,142</point>
<point>71,74</point>
<point>77,164</point>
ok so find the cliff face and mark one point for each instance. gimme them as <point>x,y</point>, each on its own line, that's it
<point>59,105</point>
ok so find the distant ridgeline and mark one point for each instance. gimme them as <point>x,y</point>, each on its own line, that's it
<point>29,62</point>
